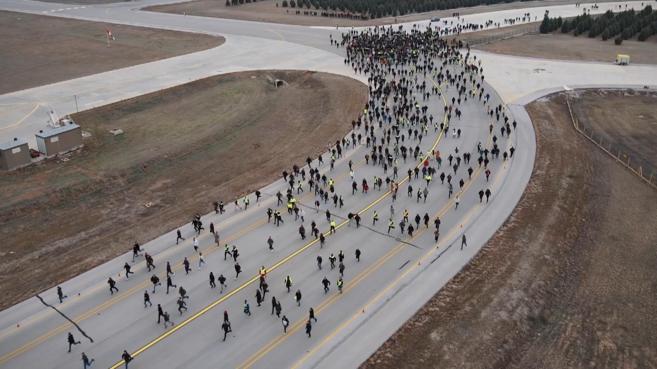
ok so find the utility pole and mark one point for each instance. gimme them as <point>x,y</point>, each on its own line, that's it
<point>77,110</point>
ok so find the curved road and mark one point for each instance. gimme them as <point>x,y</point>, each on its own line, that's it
<point>396,275</point>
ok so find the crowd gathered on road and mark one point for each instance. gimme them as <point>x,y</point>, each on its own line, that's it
<point>407,72</point>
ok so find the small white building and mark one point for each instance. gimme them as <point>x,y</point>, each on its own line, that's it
<point>14,154</point>
<point>53,141</point>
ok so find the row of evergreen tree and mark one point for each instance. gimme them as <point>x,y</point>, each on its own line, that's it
<point>377,8</point>
<point>621,26</point>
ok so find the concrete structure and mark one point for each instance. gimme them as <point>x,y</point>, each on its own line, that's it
<point>14,154</point>
<point>59,140</point>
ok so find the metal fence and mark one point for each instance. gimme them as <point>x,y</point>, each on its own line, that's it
<point>648,175</point>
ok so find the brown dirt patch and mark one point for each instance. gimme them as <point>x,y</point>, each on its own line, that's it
<point>568,47</point>
<point>567,282</point>
<point>266,11</point>
<point>625,121</point>
<point>36,50</point>
<point>199,142</point>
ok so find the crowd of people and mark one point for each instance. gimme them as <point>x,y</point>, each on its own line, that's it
<point>409,73</point>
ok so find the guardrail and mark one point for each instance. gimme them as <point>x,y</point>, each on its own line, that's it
<point>622,157</point>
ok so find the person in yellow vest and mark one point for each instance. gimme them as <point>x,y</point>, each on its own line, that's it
<point>333,226</point>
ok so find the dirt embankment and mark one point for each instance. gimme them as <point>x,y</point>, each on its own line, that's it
<point>182,149</point>
<point>568,47</point>
<point>36,50</point>
<point>567,282</point>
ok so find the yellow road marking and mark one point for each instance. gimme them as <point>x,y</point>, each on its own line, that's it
<point>22,119</point>
<point>275,342</point>
<point>275,266</point>
<point>112,301</point>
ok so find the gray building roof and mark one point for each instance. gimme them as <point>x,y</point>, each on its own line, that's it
<point>11,144</point>
<point>49,132</point>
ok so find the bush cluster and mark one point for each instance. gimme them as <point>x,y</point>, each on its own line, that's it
<point>620,26</point>
<point>366,9</point>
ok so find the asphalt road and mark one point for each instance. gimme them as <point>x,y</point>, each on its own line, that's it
<point>394,278</point>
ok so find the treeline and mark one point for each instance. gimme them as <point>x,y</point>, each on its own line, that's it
<point>367,9</point>
<point>621,26</point>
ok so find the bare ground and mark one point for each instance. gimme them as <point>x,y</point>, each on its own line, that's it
<point>199,142</point>
<point>36,50</point>
<point>568,47</point>
<point>627,119</point>
<point>567,282</point>
<point>266,11</point>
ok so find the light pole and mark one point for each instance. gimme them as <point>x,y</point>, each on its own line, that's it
<point>76,104</point>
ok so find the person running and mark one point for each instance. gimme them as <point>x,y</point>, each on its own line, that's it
<point>222,282</point>
<point>179,236</point>
<point>238,269</point>
<point>247,308</point>
<point>270,242</point>
<point>127,358</point>
<point>86,361</point>
<point>149,262</point>
<point>357,255</point>
<point>226,251</point>
<point>170,284</point>
<point>297,297</point>
<point>147,300</point>
<point>160,313</point>
<point>319,262</point>
<point>201,260</point>
<point>187,267</point>
<point>60,294</point>
<point>112,285</point>
<point>258,297</point>
<point>286,323</point>
<point>169,270</point>
<point>72,341</point>
<point>311,315</point>
<point>127,268</point>
<point>326,283</point>
<point>167,319</point>
<point>182,305</point>
<point>225,326</point>
<point>212,279</point>
<point>288,283</point>
<point>309,328</point>
<point>340,284</point>
<point>155,280</point>
<point>463,242</point>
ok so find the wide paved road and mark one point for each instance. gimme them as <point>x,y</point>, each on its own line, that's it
<point>396,275</point>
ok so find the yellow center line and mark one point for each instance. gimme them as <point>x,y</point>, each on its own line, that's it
<point>414,266</point>
<point>135,289</point>
<point>278,340</point>
<point>275,342</point>
<point>275,266</point>
<point>22,119</point>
